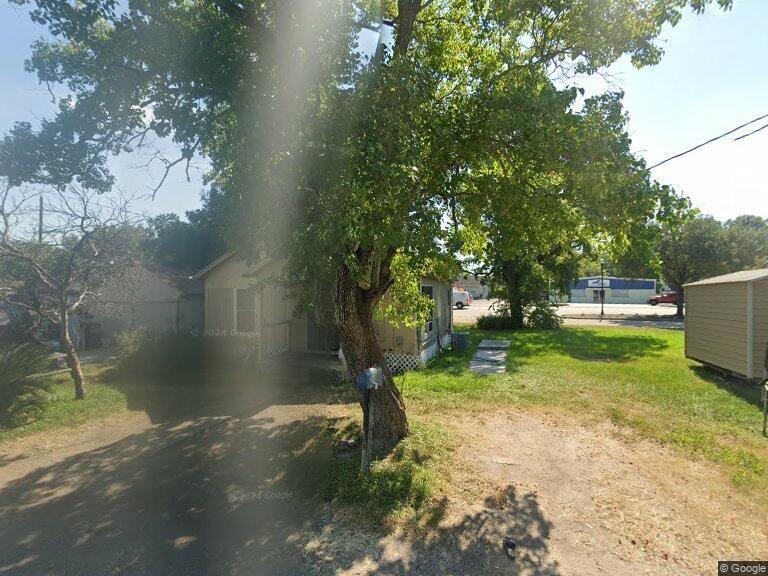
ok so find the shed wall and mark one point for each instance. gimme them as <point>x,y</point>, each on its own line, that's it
<point>760,327</point>
<point>716,325</point>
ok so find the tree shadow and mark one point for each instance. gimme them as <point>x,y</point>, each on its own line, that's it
<point>586,345</point>
<point>230,391</point>
<point>747,391</point>
<point>236,495</point>
<point>470,543</point>
<point>576,343</point>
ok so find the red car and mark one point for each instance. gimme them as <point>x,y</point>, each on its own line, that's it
<point>663,298</point>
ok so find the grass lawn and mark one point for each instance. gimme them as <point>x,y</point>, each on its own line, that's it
<point>61,410</point>
<point>637,378</point>
<point>109,393</point>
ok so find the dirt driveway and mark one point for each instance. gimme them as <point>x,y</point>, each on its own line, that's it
<point>239,494</point>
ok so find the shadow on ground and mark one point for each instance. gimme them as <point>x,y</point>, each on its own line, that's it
<point>238,493</point>
<point>747,391</point>
<point>579,344</point>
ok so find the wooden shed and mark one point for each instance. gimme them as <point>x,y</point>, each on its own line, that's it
<point>726,322</point>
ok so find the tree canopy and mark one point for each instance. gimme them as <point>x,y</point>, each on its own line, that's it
<point>344,160</point>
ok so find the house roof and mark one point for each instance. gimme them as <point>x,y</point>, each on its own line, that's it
<point>174,277</point>
<point>743,276</point>
<point>224,257</point>
<point>251,270</point>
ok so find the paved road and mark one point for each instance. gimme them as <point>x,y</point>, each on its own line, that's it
<point>574,309</point>
<point>472,312</point>
<point>481,307</point>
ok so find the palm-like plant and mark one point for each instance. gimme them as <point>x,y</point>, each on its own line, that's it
<point>20,392</point>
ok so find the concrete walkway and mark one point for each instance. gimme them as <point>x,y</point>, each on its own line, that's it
<point>490,357</point>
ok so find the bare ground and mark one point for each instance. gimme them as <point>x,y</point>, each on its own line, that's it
<point>237,494</point>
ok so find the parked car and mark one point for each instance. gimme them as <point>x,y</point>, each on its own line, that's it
<point>663,298</point>
<point>461,298</point>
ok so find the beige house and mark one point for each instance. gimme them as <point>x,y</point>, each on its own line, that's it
<point>726,322</point>
<point>247,304</point>
<point>149,295</point>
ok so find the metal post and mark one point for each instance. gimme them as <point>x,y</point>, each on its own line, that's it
<point>602,290</point>
<point>365,452</point>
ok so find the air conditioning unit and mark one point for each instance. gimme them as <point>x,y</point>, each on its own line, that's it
<point>460,340</point>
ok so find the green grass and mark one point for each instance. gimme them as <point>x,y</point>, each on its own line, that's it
<point>637,378</point>
<point>61,410</point>
<point>400,488</point>
<point>109,392</point>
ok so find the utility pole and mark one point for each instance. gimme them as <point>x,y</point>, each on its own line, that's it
<point>40,221</point>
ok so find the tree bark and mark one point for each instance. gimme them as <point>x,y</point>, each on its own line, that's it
<point>679,290</point>
<point>514,300</point>
<point>73,361</point>
<point>354,307</point>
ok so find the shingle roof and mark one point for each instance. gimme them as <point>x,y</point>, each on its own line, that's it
<point>743,276</point>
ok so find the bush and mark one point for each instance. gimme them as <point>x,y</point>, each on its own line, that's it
<point>543,317</point>
<point>147,352</point>
<point>21,396</point>
<point>495,322</point>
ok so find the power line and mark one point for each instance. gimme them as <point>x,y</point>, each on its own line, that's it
<point>714,139</point>
<point>750,133</point>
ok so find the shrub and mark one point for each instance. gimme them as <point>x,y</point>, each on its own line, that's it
<point>21,396</point>
<point>543,317</point>
<point>147,352</point>
<point>495,322</point>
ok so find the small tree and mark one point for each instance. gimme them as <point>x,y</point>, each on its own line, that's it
<point>86,241</point>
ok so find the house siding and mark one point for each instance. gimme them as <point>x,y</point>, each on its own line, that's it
<point>716,327</point>
<point>760,328</point>
<point>280,330</point>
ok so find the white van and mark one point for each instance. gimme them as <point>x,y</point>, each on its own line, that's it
<point>461,298</point>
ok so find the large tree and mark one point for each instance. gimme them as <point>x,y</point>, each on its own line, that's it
<point>692,248</point>
<point>747,237</point>
<point>575,181</point>
<point>339,161</point>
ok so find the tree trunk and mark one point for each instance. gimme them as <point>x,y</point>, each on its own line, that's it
<point>680,302</point>
<point>73,361</point>
<point>354,309</point>
<point>514,300</point>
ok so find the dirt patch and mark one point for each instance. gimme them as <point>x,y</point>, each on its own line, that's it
<point>20,456</point>
<point>616,506</point>
<point>577,500</point>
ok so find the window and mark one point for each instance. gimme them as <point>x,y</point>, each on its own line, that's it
<point>427,291</point>
<point>246,310</point>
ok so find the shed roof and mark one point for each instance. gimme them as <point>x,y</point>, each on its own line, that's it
<point>734,277</point>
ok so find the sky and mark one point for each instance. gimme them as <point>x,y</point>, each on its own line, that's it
<point>712,78</point>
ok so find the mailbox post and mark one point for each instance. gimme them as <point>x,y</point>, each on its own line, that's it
<point>367,381</point>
